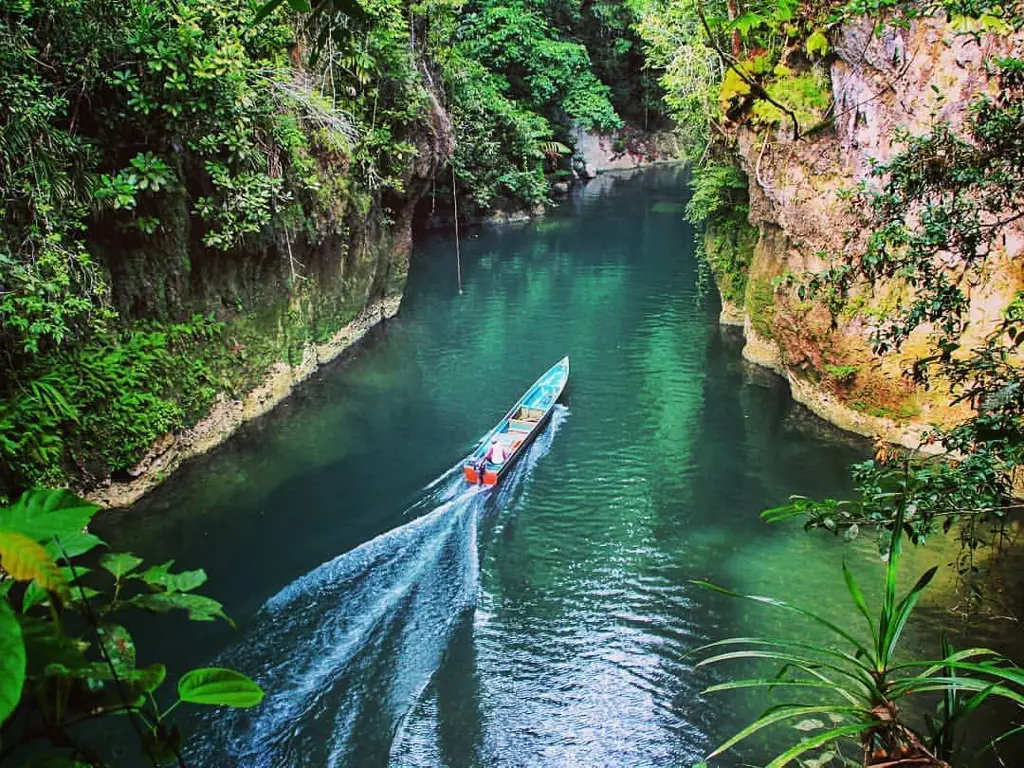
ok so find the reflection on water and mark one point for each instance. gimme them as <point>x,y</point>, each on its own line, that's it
<point>390,604</point>
<point>552,623</point>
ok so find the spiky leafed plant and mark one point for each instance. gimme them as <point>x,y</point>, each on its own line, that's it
<point>860,686</point>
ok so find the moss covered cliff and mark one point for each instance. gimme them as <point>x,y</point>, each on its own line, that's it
<point>886,84</point>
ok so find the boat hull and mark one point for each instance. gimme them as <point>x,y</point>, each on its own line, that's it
<point>518,429</point>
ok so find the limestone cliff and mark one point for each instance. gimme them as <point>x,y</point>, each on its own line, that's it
<point>906,78</point>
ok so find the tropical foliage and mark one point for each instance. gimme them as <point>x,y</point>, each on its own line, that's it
<point>151,155</point>
<point>67,660</point>
<point>860,688</point>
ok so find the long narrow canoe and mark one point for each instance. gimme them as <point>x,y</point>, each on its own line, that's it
<point>519,427</point>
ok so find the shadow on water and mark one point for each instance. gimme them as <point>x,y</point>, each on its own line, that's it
<point>393,603</point>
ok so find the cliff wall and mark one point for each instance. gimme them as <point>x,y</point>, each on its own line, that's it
<point>287,306</point>
<point>902,78</point>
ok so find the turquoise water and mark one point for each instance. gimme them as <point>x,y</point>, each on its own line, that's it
<point>397,617</point>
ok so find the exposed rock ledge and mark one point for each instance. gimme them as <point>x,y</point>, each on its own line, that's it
<point>732,314</point>
<point>825,405</point>
<point>227,415</point>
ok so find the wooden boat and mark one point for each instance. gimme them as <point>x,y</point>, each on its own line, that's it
<point>519,427</point>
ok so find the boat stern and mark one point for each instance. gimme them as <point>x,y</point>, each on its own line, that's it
<point>473,474</point>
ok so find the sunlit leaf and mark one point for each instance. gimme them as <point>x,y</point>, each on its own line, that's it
<point>817,43</point>
<point>25,559</point>
<point>219,687</point>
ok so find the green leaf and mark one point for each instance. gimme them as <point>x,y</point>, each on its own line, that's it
<point>219,687</point>
<point>120,563</point>
<point>266,10</point>
<point>748,22</point>
<point>902,615</point>
<point>25,559</point>
<point>118,645</point>
<point>199,608</point>
<point>12,661</point>
<point>814,742</point>
<point>42,514</point>
<point>858,600</point>
<point>34,595</point>
<point>72,545</point>
<point>160,576</point>
<point>817,44</point>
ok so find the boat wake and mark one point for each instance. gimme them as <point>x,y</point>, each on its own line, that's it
<point>350,647</point>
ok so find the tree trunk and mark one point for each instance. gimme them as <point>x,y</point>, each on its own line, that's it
<point>737,42</point>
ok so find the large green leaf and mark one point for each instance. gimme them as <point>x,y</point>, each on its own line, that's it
<point>817,43</point>
<point>72,545</point>
<point>42,514</point>
<point>12,661</point>
<point>219,687</point>
<point>120,563</point>
<point>902,615</point>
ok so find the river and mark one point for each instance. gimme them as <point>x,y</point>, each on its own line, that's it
<point>396,617</point>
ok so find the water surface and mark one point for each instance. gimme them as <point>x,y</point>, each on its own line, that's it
<point>397,617</point>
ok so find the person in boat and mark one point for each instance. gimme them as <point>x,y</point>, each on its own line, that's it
<point>496,454</point>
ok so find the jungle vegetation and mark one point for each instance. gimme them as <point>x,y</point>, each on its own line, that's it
<point>148,151</point>
<point>141,140</point>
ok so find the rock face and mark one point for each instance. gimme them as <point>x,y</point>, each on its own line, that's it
<point>228,414</point>
<point>905,78</point>
<point>622,150</point>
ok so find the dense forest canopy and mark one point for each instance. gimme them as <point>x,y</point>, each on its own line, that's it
<point>145,144</point>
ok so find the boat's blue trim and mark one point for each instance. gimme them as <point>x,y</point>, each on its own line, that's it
<point>542,395</point>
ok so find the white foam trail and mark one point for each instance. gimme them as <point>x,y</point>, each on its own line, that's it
<point>349,648</point>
